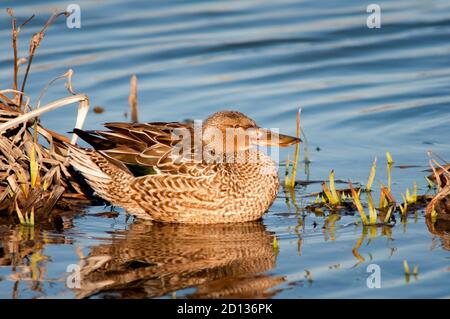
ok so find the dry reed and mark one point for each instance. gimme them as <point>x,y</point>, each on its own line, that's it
<point>34,177</point>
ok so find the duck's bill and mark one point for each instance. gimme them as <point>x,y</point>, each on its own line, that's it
<point>270,138</point>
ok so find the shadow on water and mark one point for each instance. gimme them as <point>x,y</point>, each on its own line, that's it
<point>153,260</point>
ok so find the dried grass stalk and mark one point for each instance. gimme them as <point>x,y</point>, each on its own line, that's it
<point>440,204</point>
<point>132,99</point>
<point>33,177</point>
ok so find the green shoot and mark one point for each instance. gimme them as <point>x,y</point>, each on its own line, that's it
<point>334,194</point>
<point>358,205</point>
<point>297,151</point>
<point>389,158</point>
<point>329,195</point>
<point>25,219</point>
<point>373,171</point>
<point>389,169</point>
<point>433,215</point>
<point>389,177</point>
<point>430,183</point>
<point>290,182</point>
<point>406,268</point>
<point>45,185</point>
<point>20,215</point>
<point>286,173</point>
<point>372,211</point>
<point>412,198</point>
<point>23,182</point>
<point>275,244</point>
<point>317,200</point>
<point>388,214</point>
<point>31,220</point>
<point>403,207</point>
<point>34,167</point>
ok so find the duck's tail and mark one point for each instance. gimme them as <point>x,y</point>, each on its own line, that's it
<point>109,180</point>
<point>103,176</point>
<point>86,162</point>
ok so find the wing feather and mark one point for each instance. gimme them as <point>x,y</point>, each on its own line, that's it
<point>149,145</point>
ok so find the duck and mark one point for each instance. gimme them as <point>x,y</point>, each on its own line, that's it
<point>202,172</point>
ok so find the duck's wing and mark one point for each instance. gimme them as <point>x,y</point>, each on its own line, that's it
<point>150,148</point>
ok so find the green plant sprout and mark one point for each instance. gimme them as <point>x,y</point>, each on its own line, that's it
<point>290,182</point>
<point>373,171</point>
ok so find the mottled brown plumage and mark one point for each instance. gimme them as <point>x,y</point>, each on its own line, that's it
<point>138,167</point>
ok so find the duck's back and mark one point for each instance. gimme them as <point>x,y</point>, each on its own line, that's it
<point>168,189</point>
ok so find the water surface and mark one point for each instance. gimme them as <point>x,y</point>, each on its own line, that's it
<point>363,92</point>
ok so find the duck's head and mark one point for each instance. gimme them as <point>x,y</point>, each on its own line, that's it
<point>233,131</point>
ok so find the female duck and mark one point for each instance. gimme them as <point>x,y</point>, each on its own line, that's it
<point>177,172</point>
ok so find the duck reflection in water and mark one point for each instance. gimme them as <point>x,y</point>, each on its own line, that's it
<point>154,260</point>
<point>441,230</point>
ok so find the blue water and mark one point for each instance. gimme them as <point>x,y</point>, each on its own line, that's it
<point>362,92</point>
